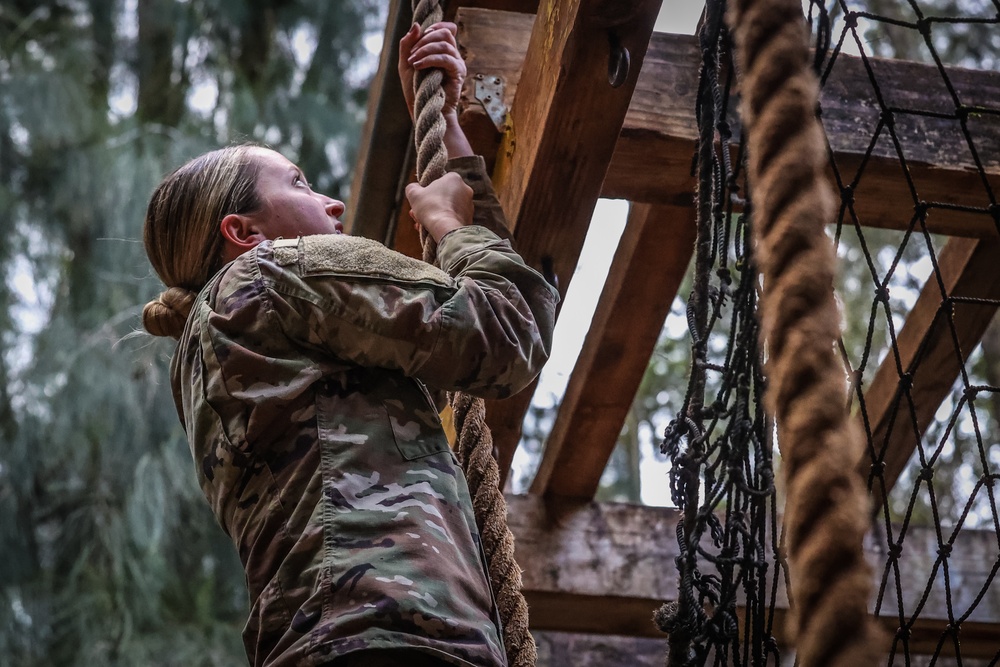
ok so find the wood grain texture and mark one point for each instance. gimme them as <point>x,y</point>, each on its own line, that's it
<point>652,160</point>
<point>562,128</point>
<point>648,267</point>
<point>383,159</point>
<point>604,567</point>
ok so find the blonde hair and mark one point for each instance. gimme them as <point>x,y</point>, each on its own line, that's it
<point>181,234</point>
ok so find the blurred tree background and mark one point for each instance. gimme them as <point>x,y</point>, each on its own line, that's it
<point>109,553</point>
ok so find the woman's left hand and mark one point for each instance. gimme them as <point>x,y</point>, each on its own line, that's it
<point>442,206</point>
<point>436,47</point>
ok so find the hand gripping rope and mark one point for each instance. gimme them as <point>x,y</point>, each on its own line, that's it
<point>474,447</point>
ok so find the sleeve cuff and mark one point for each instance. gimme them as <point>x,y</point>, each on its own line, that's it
<point>472,169</point>
<point>459,242</point>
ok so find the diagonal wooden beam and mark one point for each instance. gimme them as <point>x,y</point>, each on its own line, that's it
<point>383,156</point>
<point>560,134</point>
<point>903,396</point>
<point>646,272</point>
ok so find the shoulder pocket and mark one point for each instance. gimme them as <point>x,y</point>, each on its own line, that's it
<point>358,256</point>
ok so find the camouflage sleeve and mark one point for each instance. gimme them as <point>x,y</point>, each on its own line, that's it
<point>482,325</point>
<point>488,212</point>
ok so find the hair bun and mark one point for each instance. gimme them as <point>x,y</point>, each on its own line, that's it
<point>168,313</point>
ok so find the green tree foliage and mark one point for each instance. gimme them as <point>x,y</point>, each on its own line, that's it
<point>975,45</point>
<point>110,555</point>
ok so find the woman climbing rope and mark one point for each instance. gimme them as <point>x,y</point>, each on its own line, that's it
<point>300,377</point>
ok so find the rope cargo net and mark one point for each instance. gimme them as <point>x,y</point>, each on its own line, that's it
<point>885,432</point>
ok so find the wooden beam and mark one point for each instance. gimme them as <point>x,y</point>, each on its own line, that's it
<point>505,419</point>
<point>928,359</point>
<point>383,156</point>
<point>652,160</point>
<point>604,568</point>
<point>566,649</point>
<point>561,131</point>
<point>385,160</point>
<point>646,272</point>
<point>524,6</point>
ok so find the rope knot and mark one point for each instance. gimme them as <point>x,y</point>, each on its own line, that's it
<point>847,195</point>
<point>665,617</point>
<point>944,550</point>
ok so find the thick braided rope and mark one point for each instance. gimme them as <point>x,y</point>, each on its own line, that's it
<point>429,125</point>
<point>474,447</point>
<point>826,512</point>
<point>475,450</point>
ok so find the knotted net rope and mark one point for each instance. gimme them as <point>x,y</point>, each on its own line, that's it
<point>474,447</point>
<point>827,512</point>
<point>719,441</point>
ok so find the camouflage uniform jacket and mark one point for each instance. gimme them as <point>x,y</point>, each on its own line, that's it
<point>300,379</point>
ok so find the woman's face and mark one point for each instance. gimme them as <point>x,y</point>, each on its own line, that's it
<point>290,207</point>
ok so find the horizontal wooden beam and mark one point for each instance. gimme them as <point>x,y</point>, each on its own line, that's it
<point>605,567</point>
<point>648,267</point>
<point>934,343</point>
<point>526,6</point>
<point>652,160</point>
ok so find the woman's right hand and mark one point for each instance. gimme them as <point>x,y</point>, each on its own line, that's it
<point>435,48</point>
<point>442,206</point>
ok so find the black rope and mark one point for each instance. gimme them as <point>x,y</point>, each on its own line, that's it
<point>722,477</point>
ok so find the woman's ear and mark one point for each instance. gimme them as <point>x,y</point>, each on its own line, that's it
<point>240,234</point>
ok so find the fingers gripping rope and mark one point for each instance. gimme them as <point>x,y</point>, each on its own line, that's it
<point>475,443</point>
<point>826,513</point>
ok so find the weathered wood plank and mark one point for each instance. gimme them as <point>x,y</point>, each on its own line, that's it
<point>383,159</point>
<point>525,6</point>
<point>560,135</point>
<point>565,649</point>
<point>928,358</point>
<point>652,159</point>
<point>604,568</point>
<point>648,267</point>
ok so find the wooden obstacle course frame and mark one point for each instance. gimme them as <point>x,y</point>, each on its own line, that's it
<point>643,153</point>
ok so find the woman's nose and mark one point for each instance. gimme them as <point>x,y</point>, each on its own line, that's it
<point>335,208</point>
